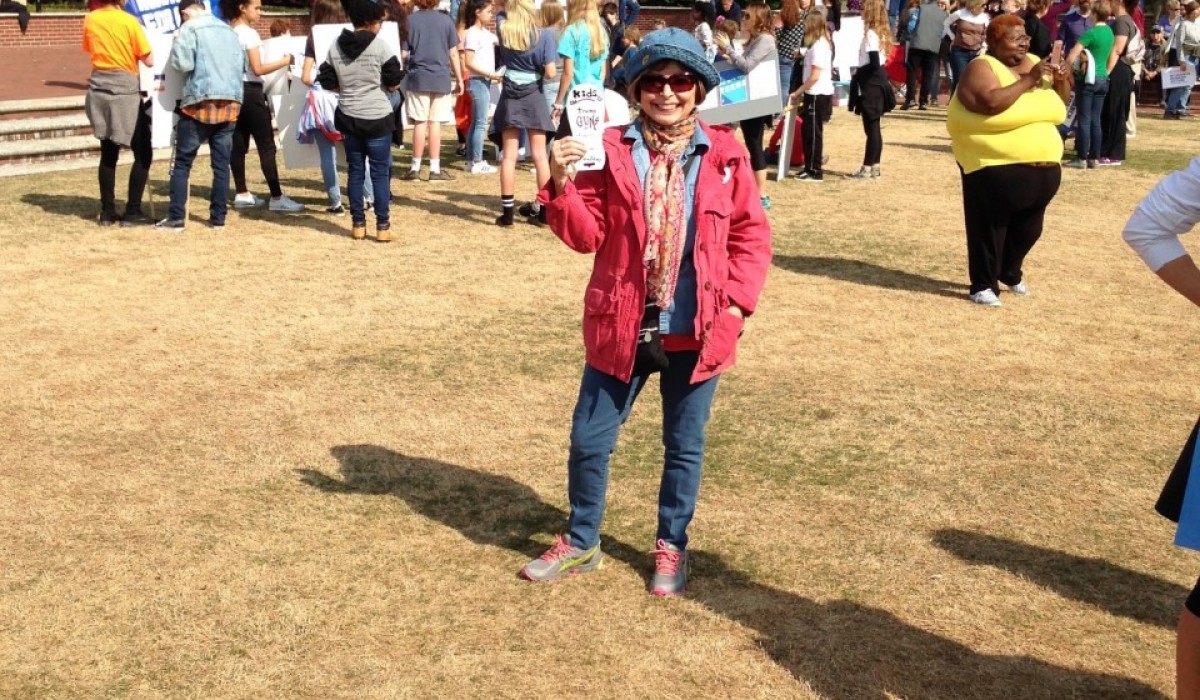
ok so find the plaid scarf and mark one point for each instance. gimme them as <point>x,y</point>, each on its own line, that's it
<point>666,222</point>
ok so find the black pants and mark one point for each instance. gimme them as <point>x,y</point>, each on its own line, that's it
<point>1004,207</point>
<point>927,63</point>
<point>812,132</point>
<point>752,131</point>
<point>1116,111</point>
<point>874,132</point>
<point>110,151</point>
<point>255,120</point>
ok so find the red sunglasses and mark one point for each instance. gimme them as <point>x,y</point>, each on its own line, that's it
<point>679,82</point>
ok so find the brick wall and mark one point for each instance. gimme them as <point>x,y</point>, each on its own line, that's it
<point>65,29</point>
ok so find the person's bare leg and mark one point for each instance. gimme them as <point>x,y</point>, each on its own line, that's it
<point>508,177</point>
<point>435,145</point>
<point>419,129</point>
<point>1187,657</point>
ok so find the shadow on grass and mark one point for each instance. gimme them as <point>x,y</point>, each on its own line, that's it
<point>488,509</point>
<point>934,147</point>
<point>1113,588</point>
<point>869,274</point>
<point>850,651</point>
<point>844,650</point>
<point>86,208</point>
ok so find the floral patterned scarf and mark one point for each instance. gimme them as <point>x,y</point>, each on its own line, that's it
<point>666,222</point>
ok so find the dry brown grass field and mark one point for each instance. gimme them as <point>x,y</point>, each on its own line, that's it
<point>271,462</point>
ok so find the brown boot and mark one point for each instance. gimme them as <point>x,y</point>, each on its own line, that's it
<point>383,235</point>
<point>358,232</point>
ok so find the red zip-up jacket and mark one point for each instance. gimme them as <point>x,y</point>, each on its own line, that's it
<point>601,212</point>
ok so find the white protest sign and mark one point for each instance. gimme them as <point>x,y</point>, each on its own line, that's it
<point>616,109</point>
<point>1181,76</point>
<point>585,113</point>
<point>325,34</point>
<point>164,85</point>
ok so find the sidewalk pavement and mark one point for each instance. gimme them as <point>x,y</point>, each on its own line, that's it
<point>44,71</point>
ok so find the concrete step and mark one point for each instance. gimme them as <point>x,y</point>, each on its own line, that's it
<point>30,128</point>
<point>37,150</point>
<point>159,169</point>
<point>23,109</point>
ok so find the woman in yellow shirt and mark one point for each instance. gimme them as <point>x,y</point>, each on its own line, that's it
<point>116,43</point>
<point>1002,122</point>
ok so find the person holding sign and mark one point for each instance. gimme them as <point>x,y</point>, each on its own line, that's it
<point>255,118</point>
<point>116,44</point>
<point>682,248</point>
<point>1171,209</point>
<point>527,55</point>
<point>761,28</point>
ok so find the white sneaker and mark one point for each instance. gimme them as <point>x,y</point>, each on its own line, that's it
<point>987,298</point>
<point>247,200</point>
<point>1019,289</point>
<point>482,168</point>
<point>468,166</point>
<point>285,204</point>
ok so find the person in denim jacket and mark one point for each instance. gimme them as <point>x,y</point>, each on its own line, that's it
<point>682,247</point>
<point>207,52</point>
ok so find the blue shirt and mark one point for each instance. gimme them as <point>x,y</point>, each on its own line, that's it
<point>680,317</point>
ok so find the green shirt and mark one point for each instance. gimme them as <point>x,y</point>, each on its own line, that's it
<point>1099,40</point>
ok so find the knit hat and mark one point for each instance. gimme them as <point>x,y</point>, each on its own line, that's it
<point>363,12</point>
<point>672,44</point>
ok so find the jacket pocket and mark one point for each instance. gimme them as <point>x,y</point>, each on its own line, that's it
<point>600,313</point>
<point>714,243</point>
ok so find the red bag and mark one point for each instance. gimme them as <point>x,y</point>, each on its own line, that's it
<point>797,146</point>
<point>896,71</point>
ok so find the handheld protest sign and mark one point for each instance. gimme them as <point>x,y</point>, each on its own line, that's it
<point>585,113</point>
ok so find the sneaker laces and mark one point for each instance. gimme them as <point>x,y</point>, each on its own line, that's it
<point>561,547</point>
<point>666,560</point>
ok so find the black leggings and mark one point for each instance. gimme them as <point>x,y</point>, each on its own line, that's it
<point>1004,207</point>
<point>110,151</point>
<point>874,152</point>
<point>752,131</point>
<point>1116,112</point>
<point>254,120</point>
<point>813,132</point>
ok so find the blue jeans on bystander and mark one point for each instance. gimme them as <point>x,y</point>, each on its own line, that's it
<point>379,150</point>
<point>481,95</point>
<point>189,134</point>
<point>1089,105</point>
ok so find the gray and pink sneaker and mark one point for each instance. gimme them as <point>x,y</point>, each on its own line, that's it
<point>670,570</point>
<point>561,560</point>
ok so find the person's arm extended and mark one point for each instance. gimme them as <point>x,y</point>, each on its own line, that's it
<point>469,64</point>
<point>456,70</point>
<point>980,90</point>
<point>759,50</point>
<point>807,85</point>
<point>1171,209</point>
<point>257,67</point>
<point>564,83</point>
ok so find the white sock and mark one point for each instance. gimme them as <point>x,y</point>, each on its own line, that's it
<point>416,165</point>
<point>435,165</point>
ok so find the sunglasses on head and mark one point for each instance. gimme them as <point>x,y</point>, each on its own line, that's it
<point>679,82</point>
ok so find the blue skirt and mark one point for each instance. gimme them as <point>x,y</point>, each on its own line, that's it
<point>1179,501</point>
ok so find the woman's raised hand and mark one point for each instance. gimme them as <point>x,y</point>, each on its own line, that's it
<point>564,154</point>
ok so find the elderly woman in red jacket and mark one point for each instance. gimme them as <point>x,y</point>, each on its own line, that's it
<point>682,249</point>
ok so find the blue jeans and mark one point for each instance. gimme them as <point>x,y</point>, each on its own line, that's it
<point>959,58</point>
<point>481,96</point>
<point>189,134</point>
<point>329,174</point>
<point>603,405</point>
<point>785,78</point>
<point>379,150</point>
<point>1089,105</point>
